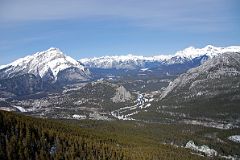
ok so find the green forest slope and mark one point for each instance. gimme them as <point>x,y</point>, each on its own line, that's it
<point>23,137</point>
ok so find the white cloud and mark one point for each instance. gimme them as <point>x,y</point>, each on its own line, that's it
<point>156,13</point>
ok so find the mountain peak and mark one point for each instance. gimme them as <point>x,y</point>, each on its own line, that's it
<point>53,49</point>
<point>42,62</point>
<point>210,46</point>
<point>50,52</point>
<point>132,61</point>
<point>208,50</point>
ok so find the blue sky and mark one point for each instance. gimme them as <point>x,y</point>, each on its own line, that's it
<point>88,28</point>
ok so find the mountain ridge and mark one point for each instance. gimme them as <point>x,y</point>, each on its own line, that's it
<point>196,81</point>
<point>42,71</point>
<point>41,63</point>
<point>132,61</point>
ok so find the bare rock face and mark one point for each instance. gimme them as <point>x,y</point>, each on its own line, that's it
<point>72,75</point>
<point>217,76</point>
<point>22,85</point>
<point>41,71</point>
<point>121,95</point>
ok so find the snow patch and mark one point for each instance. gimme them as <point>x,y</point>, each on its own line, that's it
<point>98,116</point>
<point>6,109</point>
<point>144,69</point>
<point>21,109</point>
<point>219,125</point>
<point>204,149</point>
<point>235,138</point>
<point>76,116</point>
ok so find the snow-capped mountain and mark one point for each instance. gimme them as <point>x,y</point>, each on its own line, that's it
<point>133,62</point>
<point>209,50</point>
<point>121,62</point>
<point>218,76</point>
<point>41,63</point>
<point>41,71</point>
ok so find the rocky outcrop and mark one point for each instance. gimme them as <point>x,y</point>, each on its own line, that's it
<point>217,76</point>
<point>121,95</point>
<point>73,75</point>
<point>202,149</point>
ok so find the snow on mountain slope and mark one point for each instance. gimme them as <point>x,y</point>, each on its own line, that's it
<point>132,61</point>
<point>209,50</point>
<point>120,62</point>
<point>41,63</point>
<point>218,75</point>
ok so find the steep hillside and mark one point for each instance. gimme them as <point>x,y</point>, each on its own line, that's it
<point>211,90</point>
<point>217,76</point>
<point>24,137</point>
<point>41,64</point>
<point>40,71</point>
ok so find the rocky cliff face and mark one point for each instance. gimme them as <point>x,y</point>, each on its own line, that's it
<point>22,85</point>
<point>121,95</point>
<point>73,75</point>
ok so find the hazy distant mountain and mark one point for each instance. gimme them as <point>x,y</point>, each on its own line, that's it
<point>133,61</point>
<point>157,66</point>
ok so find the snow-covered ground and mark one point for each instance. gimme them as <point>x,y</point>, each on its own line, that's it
<point>6,109</point>
<point>21,109</point>
<point>144,69</point>
<point>125,113</point>
<point>235,138</point>
<point>98,116</point>
<point>76,116</point>
<point>212,124</point>
<point>203,149</point>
